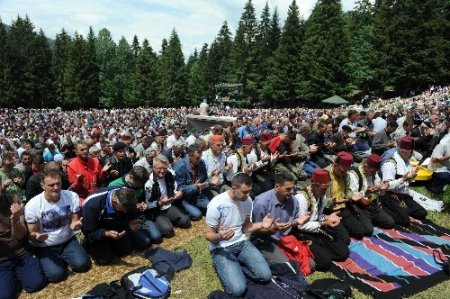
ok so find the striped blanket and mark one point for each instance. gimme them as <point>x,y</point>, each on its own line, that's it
<point>397,262</point>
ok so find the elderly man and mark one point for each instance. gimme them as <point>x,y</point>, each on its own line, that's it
<point>176,152</point>
<point>329,238</point>
<point>397,172</point>
<point>52,217</point>
<point>227,223</point>
<point>147,160</point>
<point>161,191</point>
<point>284,208</point>
<point>216,166</point>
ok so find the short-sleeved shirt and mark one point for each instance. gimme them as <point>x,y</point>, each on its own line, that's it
<point>441,150</point>
<point>230,214</point>
<point>53,217</point>
<point>268,202</point>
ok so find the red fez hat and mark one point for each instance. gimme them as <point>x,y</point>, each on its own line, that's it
<point>407,143</point>
<point>247,140</point>
<point>374,161</point>
<point>320,176</point>
<point>265,136</point>
<point>344,159</point>
<point>216,138</point>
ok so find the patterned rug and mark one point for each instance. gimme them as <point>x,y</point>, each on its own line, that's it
<point>397,262</point>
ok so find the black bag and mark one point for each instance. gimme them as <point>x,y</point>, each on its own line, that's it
<point>328,288</point>
<point>108,291</point>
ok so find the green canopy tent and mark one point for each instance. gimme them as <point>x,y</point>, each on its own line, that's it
<point>335,100</point>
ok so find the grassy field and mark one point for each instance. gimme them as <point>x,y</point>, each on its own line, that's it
<point>199,280</point>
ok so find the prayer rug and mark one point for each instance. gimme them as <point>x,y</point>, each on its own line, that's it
<point>393,263</point>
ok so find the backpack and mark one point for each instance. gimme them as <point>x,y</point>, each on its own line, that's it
<point>329,288</point>
<point>145,282</point>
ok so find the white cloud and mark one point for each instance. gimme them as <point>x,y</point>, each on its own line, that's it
<point>196,21</point>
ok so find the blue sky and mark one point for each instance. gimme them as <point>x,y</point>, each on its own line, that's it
<point>196,21</point>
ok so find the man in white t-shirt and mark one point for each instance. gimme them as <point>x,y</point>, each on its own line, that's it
<point>440,164</point>
<point>227,221</point>
<point>52,216</point>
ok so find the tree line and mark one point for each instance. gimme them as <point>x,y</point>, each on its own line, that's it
<point>395,45</point>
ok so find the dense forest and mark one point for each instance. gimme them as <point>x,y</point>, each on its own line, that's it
<point>391,45</point>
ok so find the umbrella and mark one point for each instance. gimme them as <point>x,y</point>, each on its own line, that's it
<point>335,100</point>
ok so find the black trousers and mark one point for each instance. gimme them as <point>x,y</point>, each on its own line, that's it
<point>328,245</point>
<point>377,214</point>
<point>104,251</point>
<point>166,219</point>
<point>357,224</point>
<point>401,206</point>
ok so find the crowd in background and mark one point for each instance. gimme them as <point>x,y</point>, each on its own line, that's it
<point>127,177</point>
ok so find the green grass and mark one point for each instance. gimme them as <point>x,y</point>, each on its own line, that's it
<point>201,279</point>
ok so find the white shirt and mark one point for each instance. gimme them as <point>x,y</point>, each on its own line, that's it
<point>313,224</point>
<point>230,214</point>
<point>53,217</point>
<point>190,140</point>
<point>172,139</point>
<point>162,188</point>
<point>390,169</point>
<point>379,124</point>
<point>441,150</point>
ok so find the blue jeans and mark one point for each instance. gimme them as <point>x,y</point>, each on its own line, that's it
<point>234,261</point>
<point>23,271</point>
<point>147,235</point>
<point>54,259</point>
<point>194,208</point>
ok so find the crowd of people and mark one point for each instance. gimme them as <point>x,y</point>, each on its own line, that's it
<point>126,178</point>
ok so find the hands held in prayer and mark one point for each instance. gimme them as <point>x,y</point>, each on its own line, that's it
<point>332,220</point>
<point>200,186</point>
<point>214,178</point>
<point>39,237</point>
<point>106,167</point>
<point>142,206</point>
<point>302,219</point>
<point>114,234</point>
<point>229,166</point>
<point>16,211</point>
<point>77,224</point>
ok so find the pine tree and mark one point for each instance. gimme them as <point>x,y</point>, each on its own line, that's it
<point>263,51</point>
<point>3,38</point>
<point>42,69</point>
<point>147,76</point>
<point>20,78</point>
<point>173,70</point>
<point>283,82</point>
<point>223,45</point>
<point>325,52</point>
<point>243,55</point>
<point>361,75</point>
<point>60,60</point>
<point>91,71</point>
<point>106,55</point>
<point>135,46</point>
<point>123,78</point>
<point>75,85</point>
<point>275,31</point>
